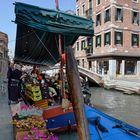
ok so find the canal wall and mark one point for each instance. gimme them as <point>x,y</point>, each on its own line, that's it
<point>128,86</point>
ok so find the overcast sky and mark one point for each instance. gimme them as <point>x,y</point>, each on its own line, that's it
<point>7,15</point>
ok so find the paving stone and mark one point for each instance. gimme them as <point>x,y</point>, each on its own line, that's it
<point>6,128</point>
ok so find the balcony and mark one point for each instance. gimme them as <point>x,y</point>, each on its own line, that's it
<point>89,13</point>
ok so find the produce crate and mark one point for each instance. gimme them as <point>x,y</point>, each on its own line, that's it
<point>43,104</point>
<point>33,92</point>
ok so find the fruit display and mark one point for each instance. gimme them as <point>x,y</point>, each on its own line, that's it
<point>35,134</point>
<point>30,122</point>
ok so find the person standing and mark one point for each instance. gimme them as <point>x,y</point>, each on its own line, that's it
<point>14,84</point>
<point>9,72</point>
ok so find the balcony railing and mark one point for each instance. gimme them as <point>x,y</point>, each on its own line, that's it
<point>89,13</point>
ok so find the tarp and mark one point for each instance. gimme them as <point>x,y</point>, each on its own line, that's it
<point>38,30</point>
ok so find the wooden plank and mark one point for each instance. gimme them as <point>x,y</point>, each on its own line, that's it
<point>76,95</point>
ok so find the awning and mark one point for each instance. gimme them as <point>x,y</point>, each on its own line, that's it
<point>38,30</point>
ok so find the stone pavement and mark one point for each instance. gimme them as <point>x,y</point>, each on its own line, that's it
<point>6,129</point>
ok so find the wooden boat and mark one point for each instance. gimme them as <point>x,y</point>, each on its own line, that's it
<point>101,126</point>
<point>38,33</point>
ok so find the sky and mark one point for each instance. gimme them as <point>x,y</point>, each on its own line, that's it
<point>7,15</point>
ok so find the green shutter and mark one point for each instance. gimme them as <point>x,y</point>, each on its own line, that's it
<point>115,42</point>
<point>138,40</point>
<point>104,39</point>
<point>122,15</point>
<point>109,38</point>
<point>121,37</point>
<point>132,36</point>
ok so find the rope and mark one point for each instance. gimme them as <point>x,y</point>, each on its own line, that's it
<point>45,47</point>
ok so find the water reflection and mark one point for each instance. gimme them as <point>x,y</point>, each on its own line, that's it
<point>117,104</point>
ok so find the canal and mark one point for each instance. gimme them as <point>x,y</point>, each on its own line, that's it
<point>121,106</point>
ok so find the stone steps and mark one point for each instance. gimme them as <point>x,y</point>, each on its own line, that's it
<point>127,87</point>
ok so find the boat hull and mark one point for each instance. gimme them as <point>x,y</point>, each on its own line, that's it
<point>111,128</point>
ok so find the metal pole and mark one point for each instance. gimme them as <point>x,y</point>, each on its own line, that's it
<point>61,65</point>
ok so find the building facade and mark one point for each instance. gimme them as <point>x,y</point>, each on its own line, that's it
<point>115,49</point>
<point>3,55</point>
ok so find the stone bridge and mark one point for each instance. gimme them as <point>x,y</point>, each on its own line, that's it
<point>92,76</point>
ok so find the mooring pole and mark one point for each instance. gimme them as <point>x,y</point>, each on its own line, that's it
<point>76,95</point>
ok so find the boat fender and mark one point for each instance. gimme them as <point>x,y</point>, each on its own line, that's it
<point>97,121</point>
<point>100,126</point>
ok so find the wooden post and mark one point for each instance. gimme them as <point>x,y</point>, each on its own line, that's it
<point>76,95</point>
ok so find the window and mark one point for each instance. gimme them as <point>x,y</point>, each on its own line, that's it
<point>77,12</point>
<point>0,66</point>
<point>77,46</point>
<point>119,14</point>
<point>83,63</point>
<point>98,19</point>
<point>82,44</point>
<point>130,67</point>
<point>83,10</point>
<point>89,41</point>
<point>135,1</point>
<point>89,64</point>
<point>78,62</point>
<point>118,38</point>
<point>90,4</point>
<point>1,55</point>
<point>135,17</point>
<point>98,2</point>
<point>107,15</point>
<point>107,37</point>
<point>1,43</point>
<point>98,41</point>
<point>135,40</point>
<point>119,67</point>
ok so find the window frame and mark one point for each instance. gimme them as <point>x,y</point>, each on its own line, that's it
<point>77,46</point>
<point>98,3</point>
<point>132,40</point>
<point>83,10</point>
<point>77,11</point>
<point>137,22</point>
<point>109,42</point>
<point>135,1</point>
<point>121,36</point>
<point>99,14</point>
<point>98,44</point>
<point>107,19</point>
<point>83,46</point>
<point>116,16</point>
